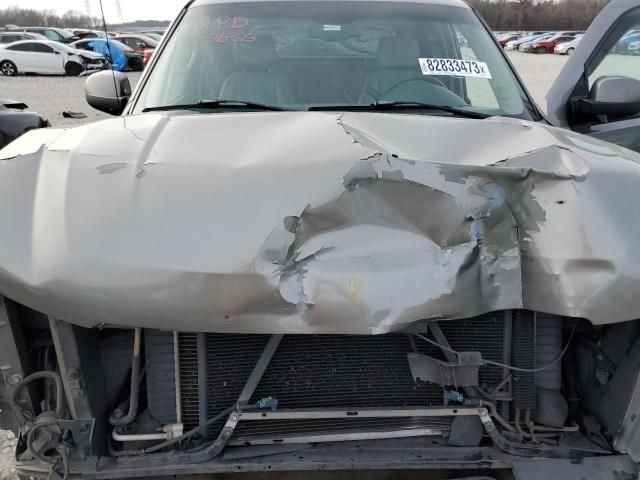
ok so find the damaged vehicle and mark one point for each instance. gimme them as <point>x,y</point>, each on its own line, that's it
<point>47,57</point>
<point>15,121</point>
<point>329,235</point>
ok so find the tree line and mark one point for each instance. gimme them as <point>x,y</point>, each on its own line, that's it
<point>500,14</point>
<point>26,17</point>
<point>539,15</point>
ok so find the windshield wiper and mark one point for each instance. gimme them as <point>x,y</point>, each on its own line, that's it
<point>219,104</point>
<point>399,105</point>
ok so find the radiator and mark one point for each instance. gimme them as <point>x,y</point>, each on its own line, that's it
<point>324,371</point>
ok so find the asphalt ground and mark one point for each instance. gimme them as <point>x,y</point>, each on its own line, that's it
<point>51,96</point>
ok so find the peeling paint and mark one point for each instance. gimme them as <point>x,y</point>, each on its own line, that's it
<point>297,222</point>
<point>111,167</point>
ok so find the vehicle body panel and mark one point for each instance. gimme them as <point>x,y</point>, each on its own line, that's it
<point>292,276</point>
<point>15,121</point>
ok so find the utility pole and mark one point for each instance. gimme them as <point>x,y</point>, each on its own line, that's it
<point>119,9</point>
<point>87,8</point>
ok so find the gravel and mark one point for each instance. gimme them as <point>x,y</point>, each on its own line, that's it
<point>50,96</point>
<point>7,445</point>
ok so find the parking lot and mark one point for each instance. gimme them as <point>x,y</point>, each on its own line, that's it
<point>50,96</point>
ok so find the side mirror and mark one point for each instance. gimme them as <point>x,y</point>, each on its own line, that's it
<point>613,96</point>
<point>108,91</point>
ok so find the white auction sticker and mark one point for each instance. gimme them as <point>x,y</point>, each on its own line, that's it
<point>454,67</point>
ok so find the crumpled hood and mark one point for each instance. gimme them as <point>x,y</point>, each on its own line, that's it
<point>316,222</point>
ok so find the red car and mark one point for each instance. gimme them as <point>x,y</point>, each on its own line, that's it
<point>147,55</point>
<point>139,43</point>
<point>548,45</point>
<point>507,38</point>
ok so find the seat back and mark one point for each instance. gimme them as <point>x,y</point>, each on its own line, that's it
<point>258,79</point>
<point>396,60</point>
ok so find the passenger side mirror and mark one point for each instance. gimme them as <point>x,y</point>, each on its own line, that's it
<point>614,96</point>
<point>108,91</point>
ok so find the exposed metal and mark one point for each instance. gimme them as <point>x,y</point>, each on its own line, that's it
<point>358,412</point>
<point>14,366</point>
<point>176,369</point>
<point>258,371</point>
<point>203,393</point>
<point>338,437</point>
<point>461,373</point>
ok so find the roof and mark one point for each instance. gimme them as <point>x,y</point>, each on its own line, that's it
<point>453,3</point>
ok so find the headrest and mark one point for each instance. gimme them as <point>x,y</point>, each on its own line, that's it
<point>398,52</point>
<point>260,52</point>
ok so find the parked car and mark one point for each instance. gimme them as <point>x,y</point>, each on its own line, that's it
<point>132,59</point>
<point>548,45</point>
<point>85,33</point>
<point>634,48</point>
<point>153,32</point>
<point>138,43</point>
<point>515,44</point>
<point>148,53</point>
<point>155,36</point>
<point>306,243</point>
<point>567,48</point>
<point>527,47</point>
<point>16,121</point>
<point>46,57</point>
<point>55,34</point>
<point>622,45</point>
<point>10,37</point>
<point>504,39</point>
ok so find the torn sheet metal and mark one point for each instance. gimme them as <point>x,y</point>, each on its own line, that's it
<point>461,373</point>
<point>300,222</point>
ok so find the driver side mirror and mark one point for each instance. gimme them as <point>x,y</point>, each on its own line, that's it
<point>108,91</point>
<point>613,96</point>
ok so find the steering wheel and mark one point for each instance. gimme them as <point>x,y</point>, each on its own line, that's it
<point>440,90</point>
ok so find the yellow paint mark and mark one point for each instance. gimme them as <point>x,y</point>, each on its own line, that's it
<point>355,285</point>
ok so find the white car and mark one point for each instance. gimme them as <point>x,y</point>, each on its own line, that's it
<point>567,48</point>
<point>10,37</point>
<point>634,48</point>
<point>47,57</point>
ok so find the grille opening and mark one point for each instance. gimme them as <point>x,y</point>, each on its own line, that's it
<point>330,371</point>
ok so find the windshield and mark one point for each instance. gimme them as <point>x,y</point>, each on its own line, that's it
<point>301,55</point>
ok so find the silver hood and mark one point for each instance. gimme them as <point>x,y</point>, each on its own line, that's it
<point>316,222</point>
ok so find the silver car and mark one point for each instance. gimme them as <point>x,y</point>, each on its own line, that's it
<point>567,48</point>
<point>329,235</point>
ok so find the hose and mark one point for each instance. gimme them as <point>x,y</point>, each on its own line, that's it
<point>117,419</point>
<point>121,453</point>
<point>37,376</point>
<point>190,433</point>
<point>31,437</point>
<point>503,365</point>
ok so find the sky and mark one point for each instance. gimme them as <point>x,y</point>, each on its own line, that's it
<point>131,9</point>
